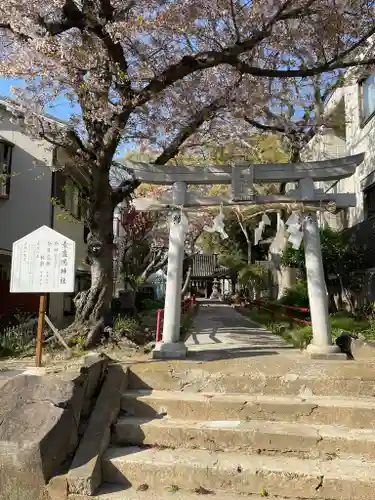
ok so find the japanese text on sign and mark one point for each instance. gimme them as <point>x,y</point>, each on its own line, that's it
<point>43,262</point>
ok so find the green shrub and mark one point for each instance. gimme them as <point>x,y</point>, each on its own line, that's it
<point>348,323</point>
<point>300,337</point>
<point>17,333</point>
<point>296,295</point>
<point>126,323</point>
<point>369,332</point>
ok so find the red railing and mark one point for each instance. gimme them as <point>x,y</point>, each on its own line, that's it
<point>186,305</point>
<point>272,308</point>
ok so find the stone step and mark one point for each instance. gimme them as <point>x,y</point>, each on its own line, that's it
<point>290,374</point>
<point>114,492</point>
<point>350,479</point>
<point>355,413</point>
<point>255,436</point>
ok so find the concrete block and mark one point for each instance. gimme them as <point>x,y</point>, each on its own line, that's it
<point>58,487</point>
<point>285,375</point>
<point>359,413</point>
<point>84,475</point>
<point>176,350</point>
<point>255,436</point>
<point>330,356</point>
<point>362,350</point>
<point>240,474</point>
<point>170,493</point>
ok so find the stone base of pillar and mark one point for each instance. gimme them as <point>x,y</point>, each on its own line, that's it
<point>325,352</point>
<point>173,350</point>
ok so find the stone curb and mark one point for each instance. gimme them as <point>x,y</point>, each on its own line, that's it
<point>84,476</point>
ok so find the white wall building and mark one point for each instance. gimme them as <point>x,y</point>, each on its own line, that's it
<point>352,110</point>
<point>27,186</point>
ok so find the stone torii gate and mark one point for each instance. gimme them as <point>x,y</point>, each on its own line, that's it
<point>242,177</point>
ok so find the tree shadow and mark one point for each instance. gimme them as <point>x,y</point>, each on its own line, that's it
<point>229,353</point>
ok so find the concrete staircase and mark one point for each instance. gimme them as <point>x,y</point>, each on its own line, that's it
<point>264,426</point>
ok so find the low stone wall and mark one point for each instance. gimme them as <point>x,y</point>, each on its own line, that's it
<point>42,418</point>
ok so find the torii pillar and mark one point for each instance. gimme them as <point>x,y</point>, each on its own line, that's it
<point>171,347</point>
<point>321,346</point>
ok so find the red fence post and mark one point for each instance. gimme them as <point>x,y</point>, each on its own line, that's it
<point>288,312</point>
<point>158,324</point>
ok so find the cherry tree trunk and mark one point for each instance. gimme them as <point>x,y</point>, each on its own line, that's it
<point>93,306</point>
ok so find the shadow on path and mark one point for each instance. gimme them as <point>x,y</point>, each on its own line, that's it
<point>220,332</point>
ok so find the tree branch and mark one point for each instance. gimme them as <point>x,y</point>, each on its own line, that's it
<point>264,127</point>
<point>208,59</point>
<point>73,17</point>
<point>189,64</point>
<point>298,12</point>
<point>245,68</point>
<point>203,115</point>
<point>234,20</point>
<point>154,265</point>
<point>187,281</point>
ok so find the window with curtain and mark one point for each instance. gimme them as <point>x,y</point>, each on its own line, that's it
<point>367,98</point>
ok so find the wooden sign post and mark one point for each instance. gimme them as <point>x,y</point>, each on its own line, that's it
<point>43,262</point>
<point>40,331</point>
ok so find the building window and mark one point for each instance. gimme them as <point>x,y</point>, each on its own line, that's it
<point>72,199</point>
<point>367,98</point>
<point>69,195</point>
<point>369,201</point>
<point>5,168</point>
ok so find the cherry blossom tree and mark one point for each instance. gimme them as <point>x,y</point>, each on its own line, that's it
<point>158,71</point>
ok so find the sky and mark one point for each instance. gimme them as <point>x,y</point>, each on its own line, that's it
<point>61,109</point>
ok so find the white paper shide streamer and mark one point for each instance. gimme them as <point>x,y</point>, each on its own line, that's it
<point>258,232</point>
<point>218,225</point>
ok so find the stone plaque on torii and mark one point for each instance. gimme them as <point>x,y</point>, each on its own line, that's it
<point>242,177</point>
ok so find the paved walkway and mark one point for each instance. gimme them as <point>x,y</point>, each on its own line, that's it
<point>219,326</point>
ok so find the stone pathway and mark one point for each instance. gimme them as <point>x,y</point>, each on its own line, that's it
<point>219,326</point>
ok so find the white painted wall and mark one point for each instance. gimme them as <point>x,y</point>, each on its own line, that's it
<point>28,206</point>
<point>74,231</point>
<point>324,146</point>
<point>358,140</point>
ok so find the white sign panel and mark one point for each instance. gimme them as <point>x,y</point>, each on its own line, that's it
<point>43,262</point>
